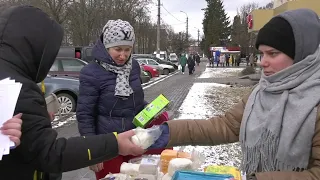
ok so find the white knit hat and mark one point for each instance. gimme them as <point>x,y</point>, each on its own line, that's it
<point>118,33</point>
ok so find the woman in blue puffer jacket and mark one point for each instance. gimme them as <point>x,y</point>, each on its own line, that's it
<point>110,90</point>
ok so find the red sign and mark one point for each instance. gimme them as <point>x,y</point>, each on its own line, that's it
<point>235,48</point>
<point>250,21</point>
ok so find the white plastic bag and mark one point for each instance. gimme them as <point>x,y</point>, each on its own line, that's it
<point>196,157</point>
<point>179,67</point>
<point>146,137</point>
<point>118,176</point>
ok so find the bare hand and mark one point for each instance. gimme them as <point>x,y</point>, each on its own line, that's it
<point>97,167</point>
<point>12,128</point>
<point>125,145</point>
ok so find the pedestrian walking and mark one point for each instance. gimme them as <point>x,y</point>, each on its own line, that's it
<point>183,63</point>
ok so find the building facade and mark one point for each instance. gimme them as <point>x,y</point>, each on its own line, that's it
<point>258,18</point>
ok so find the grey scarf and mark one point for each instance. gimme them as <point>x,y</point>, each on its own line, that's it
<point>123,88</point>
<point>279,119</point>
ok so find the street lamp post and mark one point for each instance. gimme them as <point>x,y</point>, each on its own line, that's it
<point>187,27</point>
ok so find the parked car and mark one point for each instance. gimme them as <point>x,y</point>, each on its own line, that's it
<point>66,66</point>
<point>143,62</point>
<point>152,72</point>
<point>174,58</point>
<point>144,76</point>
<point>160,61</point>
<point>79,52</point>
<point>65,88</point>
<point>163,55</point>
<point>150,62</point>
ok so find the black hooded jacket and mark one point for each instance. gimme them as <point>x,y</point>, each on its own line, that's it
<point>29,43</point>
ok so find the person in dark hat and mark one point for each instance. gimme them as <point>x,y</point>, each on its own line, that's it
<point>278,123</point>
<point>29,43</point>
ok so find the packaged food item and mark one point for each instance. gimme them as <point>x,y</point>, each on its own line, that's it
<point>166,177</point>
<point>182,154</point>
<point>129,169</point>
<point>144,177</point>
<point>143,118</point>
<point>144,138</point>
<point>224,170</point>
<point>177,164</point>
<point>166,156</point>
<point>115,177</point>
<point>149,166</point>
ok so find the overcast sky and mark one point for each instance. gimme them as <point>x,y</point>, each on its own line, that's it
<point>193,9</point>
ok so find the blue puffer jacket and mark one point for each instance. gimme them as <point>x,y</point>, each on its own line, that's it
<point>98,110</point>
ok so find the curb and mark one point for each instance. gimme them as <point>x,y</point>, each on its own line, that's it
<point>144,85</point>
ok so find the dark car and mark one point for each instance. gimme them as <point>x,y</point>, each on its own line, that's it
<point>79,52</point>
<point>160,61</point>
<point>144,76</point>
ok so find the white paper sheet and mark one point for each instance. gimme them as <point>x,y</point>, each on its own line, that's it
<point>9,93</point>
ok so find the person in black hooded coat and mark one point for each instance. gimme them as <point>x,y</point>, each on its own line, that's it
<point>29,43</point>
<point>191,64</point>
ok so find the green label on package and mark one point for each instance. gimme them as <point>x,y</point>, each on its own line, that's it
<point>150,111</point>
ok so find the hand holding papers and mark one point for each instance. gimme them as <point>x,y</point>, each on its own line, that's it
<point>9,93</point>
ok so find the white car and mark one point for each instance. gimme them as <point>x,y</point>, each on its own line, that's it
<point>166,69</point>
<point>173,58</point>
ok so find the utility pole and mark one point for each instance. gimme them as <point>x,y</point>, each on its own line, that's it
<point>198,38</point>
<point>158,29</point>
<point>187,30</point>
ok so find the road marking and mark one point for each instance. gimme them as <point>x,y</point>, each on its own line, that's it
<point>156,82</point>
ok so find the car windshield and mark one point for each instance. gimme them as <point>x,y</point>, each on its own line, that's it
<point>152,62</point>
<point>173,57</point>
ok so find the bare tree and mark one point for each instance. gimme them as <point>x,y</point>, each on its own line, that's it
<point>247,39</point>
<point>83,20</point>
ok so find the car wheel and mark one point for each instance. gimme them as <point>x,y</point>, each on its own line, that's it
<point>67,103</point>
<point>166,71</point>
<point>149,74</point>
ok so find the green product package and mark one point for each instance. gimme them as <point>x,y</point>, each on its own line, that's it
<point>143,118</point>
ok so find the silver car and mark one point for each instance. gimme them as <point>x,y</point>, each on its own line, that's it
<point>66,89</point>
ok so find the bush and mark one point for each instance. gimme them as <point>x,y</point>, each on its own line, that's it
<point>247,71</point>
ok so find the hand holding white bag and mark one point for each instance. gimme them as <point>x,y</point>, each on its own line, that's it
<point>144,138</point>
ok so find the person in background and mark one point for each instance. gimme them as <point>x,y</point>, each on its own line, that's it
<point>227,60</point>
<point>29,43</point>
<point>222,60</point>
<point>12,128</point>
<point>183,63</point>
<point>278,124</point>
<point>251,59</point>
<point>232,60</point>
<point>238,60</point>
<point>191,64</point>
<point>110,92</point>
<point>198,59</point>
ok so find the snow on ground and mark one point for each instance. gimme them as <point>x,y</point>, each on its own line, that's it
<point>61,121</point>
<point>205,100</point>
<point>220,72</point>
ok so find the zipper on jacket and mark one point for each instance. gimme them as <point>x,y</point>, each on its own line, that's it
<point>134,102</point>
<point>114,105</point>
